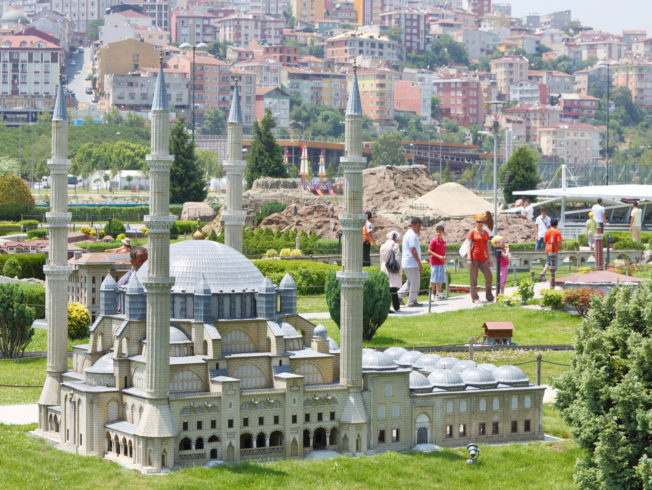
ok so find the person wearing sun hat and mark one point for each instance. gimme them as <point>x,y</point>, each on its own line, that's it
<point>591,228</point>
<point>126,246</point>
<point>479,259</point>
<point>499,242</point>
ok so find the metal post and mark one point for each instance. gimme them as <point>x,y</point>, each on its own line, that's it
<point>514,269</point>
<point>495,127</point>
<point>471,340</point>
<point>539,369</point>
<point>192,80</point>
<point>440,174</point>
<point>498,254</point>
<point>607,152</point>
<point>553,263</point>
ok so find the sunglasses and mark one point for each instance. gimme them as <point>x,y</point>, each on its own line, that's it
<point>480,221</point>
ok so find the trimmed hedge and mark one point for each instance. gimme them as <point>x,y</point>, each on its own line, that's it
<point>99,246</point>
<point>9,228</point>
<point>31,265</point>
<point>103,213</point>
<point>35,298</point>
<point>616,236</point>
<point>40,233</point>
<point>309,276</point>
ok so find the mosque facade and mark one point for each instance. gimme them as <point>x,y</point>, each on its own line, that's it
<point>209,361</point>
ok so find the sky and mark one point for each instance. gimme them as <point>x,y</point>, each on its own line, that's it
<point>611,16</point>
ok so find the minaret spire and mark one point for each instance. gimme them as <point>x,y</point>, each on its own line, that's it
<point>57,269</point>
<point>157,421</point>
<point>234,217</point>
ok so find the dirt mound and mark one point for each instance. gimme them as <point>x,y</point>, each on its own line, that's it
<point>452,200</point>
<point>513,227</point>
<point>389,188</point>
<point>323,219</point>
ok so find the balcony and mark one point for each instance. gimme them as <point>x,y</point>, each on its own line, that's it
<point>259,453</point>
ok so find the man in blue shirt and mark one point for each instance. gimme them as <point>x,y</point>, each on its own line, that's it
<point>411,263</point>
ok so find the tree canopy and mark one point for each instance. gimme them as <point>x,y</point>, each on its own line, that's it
<point>187,182</point>
<point>387,149</point>
<point>265,157</point>
<point>214,121</point>
<point>606,396</point>
<point>16,320</point>
<point>523,173</point>
<point>442,51</point>
<point>15,198</point>
<point>112,157</point>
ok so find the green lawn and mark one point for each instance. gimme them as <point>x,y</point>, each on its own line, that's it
<point>39,341</point>
<point>25,372</point>
<point>30,463</point>
<point>530,327</point>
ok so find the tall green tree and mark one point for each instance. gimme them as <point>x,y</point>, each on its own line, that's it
<point>606,396</point>
<point>187,182</point>
<point>16,320</point>
<point>523,173</point>
<point>209,163</point>
<point>15,198</point>
<point>218,49</point>
<point>387,150</point>
<point>265,157</point>
<point>214,121</point>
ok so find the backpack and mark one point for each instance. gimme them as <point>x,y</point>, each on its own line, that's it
<point>391,263</point>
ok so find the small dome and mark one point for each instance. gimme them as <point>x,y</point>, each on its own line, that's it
<point>320,332</point>
<point>395,352</point>
<point>108,284</point>
<point>203,287</point>
<point>427,362</point>
<point>134,286</point>
<point>462,365</point>
<point>289,332</point>
<point>509,374</point>
<point>332,346</point>
<point>267,286</point>
<point>478,378</point>
<point>487,366</point>
<point>287,282</point>
<point>446,379</point>
<point>377,360</point>
<point>104,365</point>
<point>448,362</point>
<point>418,380</point>
<point>409,358</point>
<point>177,335</point>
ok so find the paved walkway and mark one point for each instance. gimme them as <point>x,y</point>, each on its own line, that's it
<point>455,303</point>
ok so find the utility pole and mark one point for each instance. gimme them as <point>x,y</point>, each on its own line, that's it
<point>607,152</point>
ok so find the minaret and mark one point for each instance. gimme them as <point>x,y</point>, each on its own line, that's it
<point>57,269</point>
<point>157,421</point>
<point>352,278</point>
<point>234,217</point>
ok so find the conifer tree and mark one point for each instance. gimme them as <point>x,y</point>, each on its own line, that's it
<point>265,157</point>
<point>186,178</point>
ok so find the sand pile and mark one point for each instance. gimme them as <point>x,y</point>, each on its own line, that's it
<point>389,188</point>
<point>452,200</point>
<point>513,227</point>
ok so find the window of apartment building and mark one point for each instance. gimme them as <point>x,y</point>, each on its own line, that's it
<point>495,428</point>
<point>482,429</point>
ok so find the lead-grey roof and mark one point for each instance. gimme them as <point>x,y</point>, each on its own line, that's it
<point>509,374</point>
<point>354,105</point>
<point>287,282</point>
<point>134,286</point>
<point>377,360</point>
<point>104,365</point>
<point>60,113</point>
<point>418,380</point>
<point>320,332</point>
<point>160,102</point>
<point>108,284</point>
<point>235,114</point>
<point>395,352</point>
<point>409,358</point>
<point>223,268</point>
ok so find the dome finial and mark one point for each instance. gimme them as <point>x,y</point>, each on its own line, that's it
<point>355,66</point>
<point>198,235</point>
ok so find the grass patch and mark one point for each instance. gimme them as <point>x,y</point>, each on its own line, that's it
<point>29,462</point>
<point>553,424</point>
<point>39,342</point>
<point>312,304</point>
<point>456,327</point>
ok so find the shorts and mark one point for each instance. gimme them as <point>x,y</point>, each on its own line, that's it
<point>591,239</point>
<point>437,274</point>
<point>548,262</point>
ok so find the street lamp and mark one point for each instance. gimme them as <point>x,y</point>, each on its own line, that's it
<point>192,79</point>
<point>494,127</point>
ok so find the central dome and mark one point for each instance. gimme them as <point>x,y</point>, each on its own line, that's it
<point>223,268</point>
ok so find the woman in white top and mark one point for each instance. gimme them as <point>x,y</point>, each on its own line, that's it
<point>391,247</point>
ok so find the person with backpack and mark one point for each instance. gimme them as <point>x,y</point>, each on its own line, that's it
<point>390,264</point>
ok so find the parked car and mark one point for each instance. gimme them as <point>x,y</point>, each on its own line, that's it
<point>94,99</point>
<point>89,90</point>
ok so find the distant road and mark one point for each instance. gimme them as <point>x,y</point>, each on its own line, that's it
<point>77,75</point>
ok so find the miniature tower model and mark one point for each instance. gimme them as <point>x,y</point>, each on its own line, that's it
<point>234,216</point>
<point>157,422</point>
<point>352,278</point>
<point>57,270</point>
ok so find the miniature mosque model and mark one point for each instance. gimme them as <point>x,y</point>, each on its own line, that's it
<point>207,360</point>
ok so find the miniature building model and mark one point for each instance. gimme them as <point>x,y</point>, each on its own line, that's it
<point>210,361</point>
<point>498,333</point>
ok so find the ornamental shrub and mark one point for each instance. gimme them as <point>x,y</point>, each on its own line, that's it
<point>16,320</point>
<point>526,290</point>
<point>270,253</point>
<point>212,236</point>
<point>86,230</point>
<point>116,227</point>
<point>629,244</point>
<point>552,298</point>
<point>12,268</point>
<point>78,321</point>
<point>28,224</point>
<point>310,282</point>
<point>40,233</point>
<point>15,198</point>
<point>580,299</point>
<point>376,301</point>
<point>31,265</point>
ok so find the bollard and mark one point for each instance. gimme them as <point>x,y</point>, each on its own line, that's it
<point>539,369</point>
<point>498,257</point>
<point>471,348</point>
<point>514,269</point>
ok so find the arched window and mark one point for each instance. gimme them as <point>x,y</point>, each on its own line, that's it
<point>310,372</point>
<point>514,403</point>
<point>423,429</point>
<point>250,376</point>
<point>237,341</point>
<point>527,402</point>
<point>276,438</point>
<point>199,443</point>
<point>246,441</point>
<point>186,380</point>
<point>138,377</point>
<point>213,439</point>
<point>185,444</point>
<point>261,440</point>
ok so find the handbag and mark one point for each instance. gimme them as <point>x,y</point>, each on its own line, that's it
<point>464,249</point>
<point>392,264</point>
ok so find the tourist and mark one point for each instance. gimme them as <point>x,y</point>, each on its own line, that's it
<point>391,249</point>
<point>137,257</point>
<point>635,222</point>
<point>367,240</point>
<point>437,251</point>
<point>591,227</point>
<point>528,210</point>
<point>600,215</point>
<point>411,263</point>
<point>124,248</point>
<point>489,223</point>
<point>499,242</point>
<point>543,223</point>
<point>479,258</point>
<point>553,240</point>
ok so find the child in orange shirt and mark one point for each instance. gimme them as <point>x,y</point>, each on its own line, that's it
<point>552,235</point>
